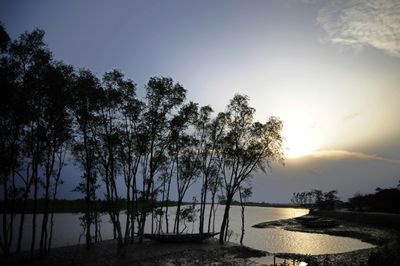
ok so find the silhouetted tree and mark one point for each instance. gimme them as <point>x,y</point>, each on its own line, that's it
<point>383,200</point>
<point>58,80</point>
<point>130,151</point>
<point>247,147</point>
<point>215,184</point>
<point>244,194</point>
<point>47,109</point>
<point>188,214</point>
<point>86,94</point>
<point>162,97</point>
<point>184,152</point>
<point>316,199</point>
<point>209,134</point>
<point>107,139</point>
<point>34,130</point>
<point>330,199</point>
<point>12,120</point>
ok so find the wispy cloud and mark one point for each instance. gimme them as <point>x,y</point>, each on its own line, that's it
<point>341,154</point>
<point>359,23</point>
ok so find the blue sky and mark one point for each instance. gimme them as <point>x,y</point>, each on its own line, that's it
<point>328,69</point>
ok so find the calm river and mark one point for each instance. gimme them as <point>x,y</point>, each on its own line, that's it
<point>67,231</point>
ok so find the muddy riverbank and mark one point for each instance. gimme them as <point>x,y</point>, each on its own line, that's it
<point>381,237</point>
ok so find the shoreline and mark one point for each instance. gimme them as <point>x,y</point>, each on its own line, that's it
<point>208,252</point>
<point>378,236</point>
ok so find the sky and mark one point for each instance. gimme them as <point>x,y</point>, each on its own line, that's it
<point>329,69</point>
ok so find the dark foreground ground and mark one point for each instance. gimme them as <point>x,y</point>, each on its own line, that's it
<point>210,252</point>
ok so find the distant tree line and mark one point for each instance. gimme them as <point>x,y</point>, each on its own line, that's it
<point>69,206</point>
<point>383,200</point>
<point>50,111</point>
<point>316,199</point>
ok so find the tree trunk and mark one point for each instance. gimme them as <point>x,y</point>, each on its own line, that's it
<point>44,233</point>
<point>224,225</point>
<point>211,212</point>
<point>21,225</point>
<point>167,202</point>
<point>36,183</point>
<point>134,199</point>
<point>202,205</point>
<point>128,214</point>
<point>4,245</point>
<point>87,218</point>
<point>242,211</point>
<point>177,216</point>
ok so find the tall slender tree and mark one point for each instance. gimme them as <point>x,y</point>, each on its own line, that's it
<point>86,93</point>
<point>247,147</point>
<point>185,154</point>
<point>209,134</point>
<point>34,64</point>
<point>12,119</point>
<point>162,98</point>
<point>58,79</point>
<point>130,151</point>
<point>244,194</point>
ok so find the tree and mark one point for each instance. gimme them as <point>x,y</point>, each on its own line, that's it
<point>34,130</point>
<point>316,199</point>
<point>130,150</point>
<point>189,214</point>
<point>162,97</point>
<point>56,118</point>
<point>215,183</point>
<point>209,133</point>
<point>330,199</point>
<point>107,138</point>
<point>247,147</point>
<point>185,156</point>
<point>35,61</point>
<point>85,98</point>
<point>244,194</point>
<point>12,120</point>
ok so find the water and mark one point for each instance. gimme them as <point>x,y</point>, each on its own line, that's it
<point>67,231</point>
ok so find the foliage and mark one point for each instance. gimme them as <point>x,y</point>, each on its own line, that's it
<point>316,199</point>
<point>50,111</point>
<point>383,200</point>
<point>246,147</point>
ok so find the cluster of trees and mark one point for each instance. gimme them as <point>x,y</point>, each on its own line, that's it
<point>50,110</point>
<point>316,198</point>
<point>383,200</point>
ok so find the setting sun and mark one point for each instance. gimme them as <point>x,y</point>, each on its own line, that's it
<point>299,141</point>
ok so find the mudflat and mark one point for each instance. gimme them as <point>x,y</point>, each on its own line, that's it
<point>381,237</point>
<point>209,252</point>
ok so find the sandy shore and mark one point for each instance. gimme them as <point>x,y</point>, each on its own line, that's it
<point>378,236</point>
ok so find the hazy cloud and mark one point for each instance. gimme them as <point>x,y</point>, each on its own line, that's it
<point>313,172</point>
<point>351,154</point>
<point>351,116</point>
<point>358,23</point>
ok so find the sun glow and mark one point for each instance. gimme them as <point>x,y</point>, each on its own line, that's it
<point>299,142</point>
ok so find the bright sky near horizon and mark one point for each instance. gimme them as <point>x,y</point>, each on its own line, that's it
<point>329,69</point>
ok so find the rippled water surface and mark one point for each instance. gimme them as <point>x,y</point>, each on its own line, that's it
<point>279,240</point>
<point>67,231</point>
